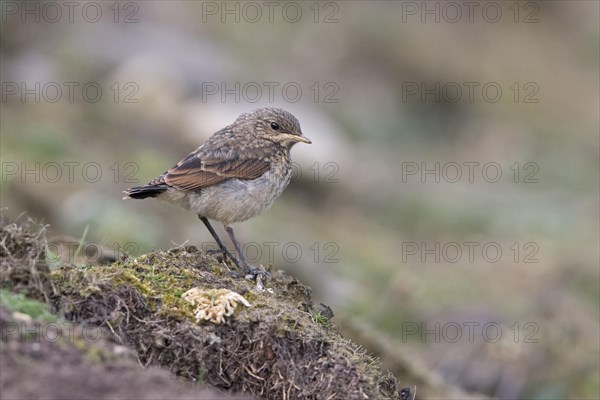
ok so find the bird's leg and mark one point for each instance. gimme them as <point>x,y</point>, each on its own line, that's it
<point>248,269</point>
<point>224,250</point>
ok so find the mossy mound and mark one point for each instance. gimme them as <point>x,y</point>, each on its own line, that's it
<point>44,357</point>
<point>280,347</point>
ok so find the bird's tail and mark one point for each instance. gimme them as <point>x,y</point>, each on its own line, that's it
<point>141,192</point>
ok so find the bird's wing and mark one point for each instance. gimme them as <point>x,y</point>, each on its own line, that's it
<point>194,172</point>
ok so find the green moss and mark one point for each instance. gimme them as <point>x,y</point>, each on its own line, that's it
<point>158,277</point>
<point>281,331</point>
<point>20,303</point>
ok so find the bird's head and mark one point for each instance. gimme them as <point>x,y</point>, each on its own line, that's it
<point>275,125</point>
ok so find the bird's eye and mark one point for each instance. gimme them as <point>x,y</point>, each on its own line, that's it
<point>274,126</point>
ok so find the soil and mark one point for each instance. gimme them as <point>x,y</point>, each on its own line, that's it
<point>281,347</point>
<point>36,366</point>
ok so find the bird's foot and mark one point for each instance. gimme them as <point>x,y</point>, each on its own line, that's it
<point>251,272</point>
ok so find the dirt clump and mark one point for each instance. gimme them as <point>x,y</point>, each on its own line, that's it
<point>22,258</point>
<point>280,347</point>
<point>41,360</point>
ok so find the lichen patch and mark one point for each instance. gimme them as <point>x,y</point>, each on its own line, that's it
<point>214,304</point>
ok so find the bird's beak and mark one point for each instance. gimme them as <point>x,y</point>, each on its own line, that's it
<point>292,138</point>
<point>303,139</point>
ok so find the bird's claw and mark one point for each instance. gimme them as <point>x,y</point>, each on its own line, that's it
<point>250,272</point>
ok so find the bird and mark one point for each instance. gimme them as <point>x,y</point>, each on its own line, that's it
<point>235,175</point>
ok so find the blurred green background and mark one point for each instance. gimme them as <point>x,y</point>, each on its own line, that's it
<point>98,98</point>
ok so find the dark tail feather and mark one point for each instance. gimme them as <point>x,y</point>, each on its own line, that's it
<point>141,192</point>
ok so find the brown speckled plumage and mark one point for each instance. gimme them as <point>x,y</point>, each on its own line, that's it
<point>235,175</point>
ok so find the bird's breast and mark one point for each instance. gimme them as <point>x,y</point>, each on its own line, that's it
<point>236,200</point>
